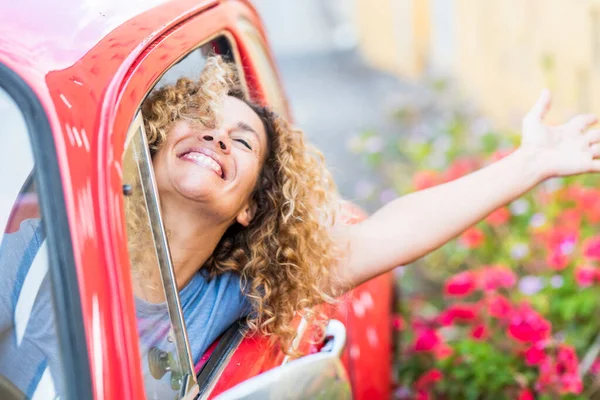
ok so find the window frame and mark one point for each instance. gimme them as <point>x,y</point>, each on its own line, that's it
<point>61,262</point>
<point>163,254</point>
<point>165,262</point>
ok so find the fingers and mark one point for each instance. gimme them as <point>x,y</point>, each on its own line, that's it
<point>592,136</point>
<point>581,122</point>
<point>595,166</point>
<point>541,107</point>
<point>595,149</point>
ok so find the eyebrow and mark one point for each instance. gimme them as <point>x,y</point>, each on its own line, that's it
<point>245,127</point>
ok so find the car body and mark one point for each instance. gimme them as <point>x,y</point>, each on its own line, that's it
<point>78,71</point>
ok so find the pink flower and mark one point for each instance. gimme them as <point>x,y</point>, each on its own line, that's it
<point>498,306</point>
<point>570,383</point>
<point>428,379</point>
<point>591,248</point>
<point>528,326</point>
<point>500,154</point>
<point>585,275</point>
<point>425,179</point>
<point>567,358</point>
<point>422,395</point>
<point>525,394</point>
<point>557,261</point>
<point>442,351</point>
<point>535,355</point>
<point>458,313</point>
<point>495,277</point>
<point>397,322</point>
<point>426,340</point>
<point>479,332</point>
<point>498,217</point>
<point>460,285</point>
<point>560,374</point>
<point>571,219</point>
<point>472,238</point>
<point>595,368</point>
<point>459,168</point>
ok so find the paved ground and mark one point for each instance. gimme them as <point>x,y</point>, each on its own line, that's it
<point>335,95</point>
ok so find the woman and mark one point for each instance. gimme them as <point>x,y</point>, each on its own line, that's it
<point>250,209</point>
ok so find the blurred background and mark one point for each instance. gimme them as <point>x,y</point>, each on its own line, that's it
<point>348,65</point>
<point>402,95</point>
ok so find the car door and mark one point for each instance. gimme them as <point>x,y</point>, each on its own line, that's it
<point>43,350</point>
<point>233,29</point>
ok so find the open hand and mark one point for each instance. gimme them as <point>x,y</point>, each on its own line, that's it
<point>566,149</point>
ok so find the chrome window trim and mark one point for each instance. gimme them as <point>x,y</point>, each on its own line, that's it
<point>211,371</point>
<point>163,253</point>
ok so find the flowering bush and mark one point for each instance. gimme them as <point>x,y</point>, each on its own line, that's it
<point>510,309</point>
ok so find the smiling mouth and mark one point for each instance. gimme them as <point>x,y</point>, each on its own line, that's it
<point>204,161</point>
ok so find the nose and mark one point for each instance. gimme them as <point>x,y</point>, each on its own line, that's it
<point>222,141</point>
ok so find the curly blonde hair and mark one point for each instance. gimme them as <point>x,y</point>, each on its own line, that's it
<point>284,256</point>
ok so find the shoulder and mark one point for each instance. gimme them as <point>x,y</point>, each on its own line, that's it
<point>224,289</point>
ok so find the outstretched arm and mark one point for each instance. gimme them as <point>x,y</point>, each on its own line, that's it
<point>414,225</point>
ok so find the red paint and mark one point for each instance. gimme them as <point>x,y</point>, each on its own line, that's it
<point>91,66</point>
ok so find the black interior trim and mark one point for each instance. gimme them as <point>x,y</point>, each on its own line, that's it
<point>211,371</point>
<point>65,288</point>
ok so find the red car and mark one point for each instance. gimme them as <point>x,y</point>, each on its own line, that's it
<point>73,74</point>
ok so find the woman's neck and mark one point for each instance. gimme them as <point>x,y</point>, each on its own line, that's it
<point>192,240</point>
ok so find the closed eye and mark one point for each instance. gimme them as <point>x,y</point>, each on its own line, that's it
<point>242,141</point>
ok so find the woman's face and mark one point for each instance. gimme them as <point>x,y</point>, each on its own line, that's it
<point>214,168</point>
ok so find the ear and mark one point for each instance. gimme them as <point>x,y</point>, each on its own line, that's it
<point>245,216</point>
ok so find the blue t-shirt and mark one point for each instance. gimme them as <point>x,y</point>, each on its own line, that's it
<point>209,308</point>
<point>29,353</point>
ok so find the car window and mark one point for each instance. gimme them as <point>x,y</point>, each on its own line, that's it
<point>166,362</point>
<point>30,361</point>
<point>165,350</point>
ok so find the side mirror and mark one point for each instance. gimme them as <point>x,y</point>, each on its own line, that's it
<point>320,375</point>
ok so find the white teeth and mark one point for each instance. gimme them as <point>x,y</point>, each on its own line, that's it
<point>201,159</point>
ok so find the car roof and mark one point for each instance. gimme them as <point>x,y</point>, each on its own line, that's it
<point>45,36</point>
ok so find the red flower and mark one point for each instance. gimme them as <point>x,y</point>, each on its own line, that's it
<point>535,355</point>
<point>525,394</point>
<point>528,326</point>
<point>426,340</point>
<point>591,248</point>
<point>479,332</point>
<point>585,275</point>
<point>460,285</point>
<point>428,379</point>
<point>472,238</point>
<point>498,217</point>
<point>458,313</point>
<point>498,306</point>
<point>496,277</point>
<point>425,179</point>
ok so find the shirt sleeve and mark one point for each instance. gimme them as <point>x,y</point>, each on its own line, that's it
<point>17,254</point>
